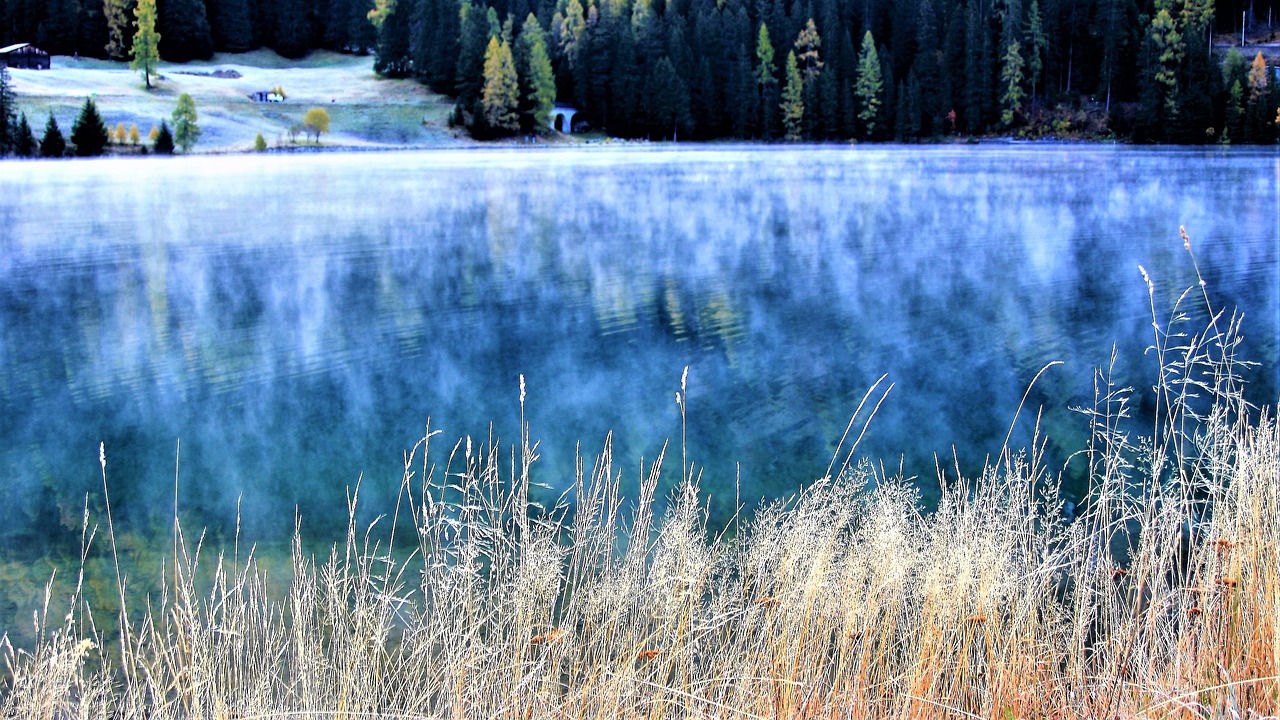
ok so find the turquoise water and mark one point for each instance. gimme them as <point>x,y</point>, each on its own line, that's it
<point>294,322</point>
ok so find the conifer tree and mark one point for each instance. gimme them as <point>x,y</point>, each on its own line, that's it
<point>1168,50</point>
<point>1037,43</point>
<point>472,42</point>
<point>537,81</point>
<point>52,145</point>
<point>571,26</point>
<point>184,30</point>
<point>766,79</point>
<point>869,87</point>
<point>436,48</point>
<point>808,52</point>
<point>1011,76</point>
<point>232,26</point>
<point>793,101</point>
<point>59,31</point>
<point>133,134</point>
<point>24,141</point>
<point>395,49</point>
<point>119,25</point>
<point>89,133</point>
<point>146,41</point>
<point>500,98</point>
<point>163,143</point>
<point>7,113</point>
<point>764,58</point>
<point>186,131</point>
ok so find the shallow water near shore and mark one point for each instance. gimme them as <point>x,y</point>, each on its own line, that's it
<point>294,322</point>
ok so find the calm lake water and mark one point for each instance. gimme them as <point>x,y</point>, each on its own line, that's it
<point>295,321</point>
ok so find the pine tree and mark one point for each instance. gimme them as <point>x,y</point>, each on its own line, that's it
<point>146,41</point>
<point>500,98</point>
<point>133,134</point>
<point>185,129</point>
<point>793,101</point>
<point>537,81</point>
<point>869,87</point>
<point>119,37</point>
<point>24,141</point>
<point>1011,76</point>
<point>89,134</point>
<point>184,30</point>
<point>52,145</point>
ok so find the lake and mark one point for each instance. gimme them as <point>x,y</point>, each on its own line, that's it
<point>295,321</point>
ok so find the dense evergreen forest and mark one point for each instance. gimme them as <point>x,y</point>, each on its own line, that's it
<point>816,70</point>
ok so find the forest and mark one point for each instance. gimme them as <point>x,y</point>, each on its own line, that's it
<point>801,70</point>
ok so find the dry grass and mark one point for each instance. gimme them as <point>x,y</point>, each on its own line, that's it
<point>1159,598</point>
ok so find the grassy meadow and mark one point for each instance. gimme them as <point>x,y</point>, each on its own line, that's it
<point>1157,597</point>
<point>366,111</point>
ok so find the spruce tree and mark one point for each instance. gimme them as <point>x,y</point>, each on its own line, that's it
<point>164,140</point>
<point>24,141</point>
<point>52,145</point>
<point>537,82</point>
<point>869,88</point>
<point>1011,76</point>
<point>89,133</point>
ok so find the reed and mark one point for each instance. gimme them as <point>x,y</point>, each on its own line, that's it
<point>1160,598</point>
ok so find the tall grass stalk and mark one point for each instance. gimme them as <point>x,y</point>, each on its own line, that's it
<point>1158,597</point>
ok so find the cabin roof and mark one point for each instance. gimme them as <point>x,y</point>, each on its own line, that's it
<point>11,48</point>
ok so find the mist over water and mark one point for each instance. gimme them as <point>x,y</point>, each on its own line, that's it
<point>295,321</point>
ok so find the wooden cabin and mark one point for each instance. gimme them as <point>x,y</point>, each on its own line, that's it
<point>24,56</point>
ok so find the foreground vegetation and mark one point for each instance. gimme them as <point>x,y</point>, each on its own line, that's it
<point>1158,597</point>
